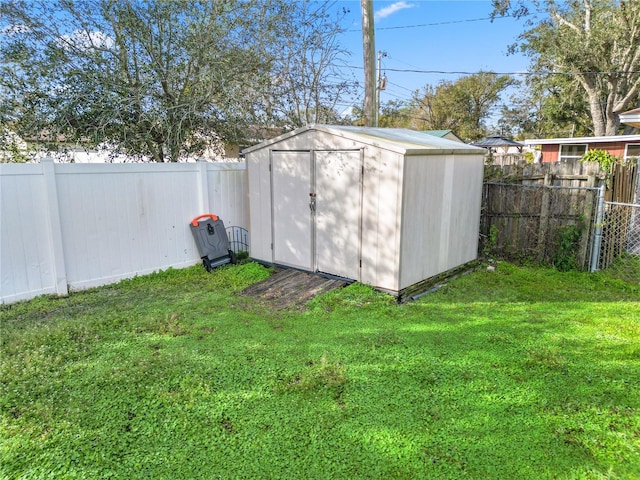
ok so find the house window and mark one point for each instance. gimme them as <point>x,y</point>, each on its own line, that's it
<point>571,152</point>
<point>632,151</point>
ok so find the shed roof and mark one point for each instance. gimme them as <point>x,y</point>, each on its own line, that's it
<point>632,117</point>
<point>399,140</point>
<point>496,141</point>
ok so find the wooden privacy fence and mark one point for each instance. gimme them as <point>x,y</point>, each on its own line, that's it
<point>81,225</point>
<point>524,222</point>
<point>555,212</point>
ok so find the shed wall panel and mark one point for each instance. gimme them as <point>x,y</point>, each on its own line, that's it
<point>465,210</point>
<point>441,214</point>
<point>381,208</point>
<point>423,216</point>
<point>260,205</point>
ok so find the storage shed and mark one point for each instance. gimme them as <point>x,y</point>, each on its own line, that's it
<point>387,207</point>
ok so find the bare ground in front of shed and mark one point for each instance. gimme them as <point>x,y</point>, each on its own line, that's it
<point>289,288</point>
<point>517,373</point>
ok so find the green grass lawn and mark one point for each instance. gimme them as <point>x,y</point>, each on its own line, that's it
<point>521,373</point>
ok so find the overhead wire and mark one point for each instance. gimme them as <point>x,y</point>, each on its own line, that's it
<point>451,22</point>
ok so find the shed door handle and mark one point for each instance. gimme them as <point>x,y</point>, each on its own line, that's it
<point>312,202</point>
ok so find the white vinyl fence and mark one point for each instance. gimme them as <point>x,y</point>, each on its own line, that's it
<point>74,226</point>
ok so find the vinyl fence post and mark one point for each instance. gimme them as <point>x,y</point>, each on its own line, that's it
<point>203,187</point>
<point>55,228</point>
<point>597,237</point>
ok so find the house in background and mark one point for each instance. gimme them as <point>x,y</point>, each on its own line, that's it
<point>567,149</point>
<point>500,150</point>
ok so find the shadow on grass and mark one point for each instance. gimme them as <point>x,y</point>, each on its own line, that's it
<point>494,376</point>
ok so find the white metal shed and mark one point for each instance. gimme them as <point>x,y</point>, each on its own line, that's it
<point>387,207</point>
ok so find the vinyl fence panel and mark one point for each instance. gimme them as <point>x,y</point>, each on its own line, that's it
<point>84,225</point>
<point>26,253</point>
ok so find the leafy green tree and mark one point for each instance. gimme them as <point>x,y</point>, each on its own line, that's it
<point>546,109</point>
<point>395,114</point>
<point>12,148</point>
<point>463,106</point>
<point>159,78</point>
<point>589,49</point>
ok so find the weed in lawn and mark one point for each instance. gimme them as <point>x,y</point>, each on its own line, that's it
<point>172,325</point>
<point>319,376</point>
<point>546,358</point>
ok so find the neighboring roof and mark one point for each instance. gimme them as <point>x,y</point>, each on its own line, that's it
<point>399,140</point>
<point>450,134</point>
<point>575,140</point>
<point>632,117</point>
<point>496,141</point>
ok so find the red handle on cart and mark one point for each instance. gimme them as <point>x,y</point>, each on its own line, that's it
<point>213,217</point>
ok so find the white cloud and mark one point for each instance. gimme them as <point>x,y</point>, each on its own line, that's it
<point>14,29</point>
<point>86,40</point>
<point>391,9</point>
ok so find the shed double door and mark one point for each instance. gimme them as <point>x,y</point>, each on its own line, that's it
<point>316,199</point>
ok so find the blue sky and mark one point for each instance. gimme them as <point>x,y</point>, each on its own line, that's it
<point>433,35</point>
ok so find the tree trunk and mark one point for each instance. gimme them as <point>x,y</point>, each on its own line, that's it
<point>597,115</point>
<point>613,124</point>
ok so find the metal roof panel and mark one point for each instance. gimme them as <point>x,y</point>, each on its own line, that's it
<point>400,140</point>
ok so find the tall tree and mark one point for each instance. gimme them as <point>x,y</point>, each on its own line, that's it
<point>306,82</point>
<point>463,106</point>
<point>396,114</point>
<point>593,43</point>
<point>547,107</point>
<point>158,78</point>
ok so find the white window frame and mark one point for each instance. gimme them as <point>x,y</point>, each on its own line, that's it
<point>564,158</point>
<point>626,151</point>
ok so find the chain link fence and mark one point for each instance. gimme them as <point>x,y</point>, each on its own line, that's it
<point>620,248</point>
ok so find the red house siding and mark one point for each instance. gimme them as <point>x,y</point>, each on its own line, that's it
<point>551,152</point>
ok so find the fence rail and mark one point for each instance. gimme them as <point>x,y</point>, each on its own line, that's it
<point>562,174</point>
<point>73,226</point>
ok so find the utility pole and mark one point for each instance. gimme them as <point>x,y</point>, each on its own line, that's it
<point>381,84</point>
<point>369,53</point>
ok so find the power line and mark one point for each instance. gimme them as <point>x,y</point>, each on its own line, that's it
<point>530,74</point>
<point>448,22</point>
